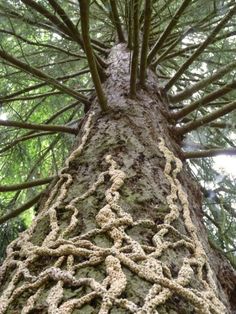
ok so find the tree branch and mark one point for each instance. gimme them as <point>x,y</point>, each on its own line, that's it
<point>49,16</point>
<point>22,139</point>
<point>222,125</point>
<point>42,127</point>
<point>194,46</point>
<point>74,31</point>
<point>202,84</point>
<point>206,119</point>
<point>200,49</point>
<point>205,100</point>
<point>210,153</point>
<point>71,27</point>
<point>47,26</point>
<point>84,9</point>
<point>134,62</point>
<point>37,86</point>
<point>8,100</point>
<point>32,134</point>
<point>146,31</point>
<point>167,31</point>
<point>62,110</point>
<point>45,95</point>
<point>116,21</point>
<point>42,76</point>
<point>42,44</point>
<point>130,25</point>
<point>14,213</point>
<point>171,47</point>
<point>25,185</point>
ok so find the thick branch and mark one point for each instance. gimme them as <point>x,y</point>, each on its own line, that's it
<point>75,33</point>
<point>67,52</point>
<point>206,119</point>
<point>116,21</point>
<point>227,207</point>
<point>195,46</point>
<point>51,17</point>
<point>37,86</point>
<point>62,110</point>
<point>42,76</point>
<point>171,47</point>
<point>222,125</point>
<point>41,127</point>
<point>167,31</point>
<point>200,49</point>
<point>45,95</point>
<point>84,10</point>
<point>22,139</point>
<point>202,84</point>
<point>16,212</point>
<point>32,134</point>
<point>73,30</point>
<point>210,153</point>
<point>44,25</point>
<point>205,100</point>
<point>134,62</point>
<point>25,185</point>
<point>146,31</point>
<point>130,26</point>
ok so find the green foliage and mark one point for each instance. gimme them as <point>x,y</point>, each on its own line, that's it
<point>8,232</point>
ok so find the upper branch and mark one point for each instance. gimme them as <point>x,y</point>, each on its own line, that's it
<point>146,31</point>
<point>116,21</point>
<point>206,99</point>
<point>200,49</point>
<point>84,10</point>
<point>37,86</point>
<point>42,76</point>
<point>202,83</point>
<point>210,153</point>
<point>171,47</point>
<point>24,138</point>
<point>206,119</point>
<point>25,185</point>
<point>71,27</point>
<point>134,62</point>
<point>38,44</point>
<point>51,17</point>
<point>167,31</point>
<point>42,127</point>
<point>21,208</point>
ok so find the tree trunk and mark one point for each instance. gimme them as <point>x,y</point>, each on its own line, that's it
<point>121,230</point>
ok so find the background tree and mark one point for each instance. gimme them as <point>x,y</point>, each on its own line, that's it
<point>92,69</point>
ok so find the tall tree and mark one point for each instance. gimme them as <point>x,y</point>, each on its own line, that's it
<point>131,90</point>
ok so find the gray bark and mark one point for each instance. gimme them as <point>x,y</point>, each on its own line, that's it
<point>121,231</point>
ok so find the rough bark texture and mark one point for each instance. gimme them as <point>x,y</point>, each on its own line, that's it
<point>121,230</point>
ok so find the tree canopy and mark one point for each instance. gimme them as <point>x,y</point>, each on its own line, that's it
<point>53,62</point>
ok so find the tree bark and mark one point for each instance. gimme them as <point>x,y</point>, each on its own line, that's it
<point>121,230</point>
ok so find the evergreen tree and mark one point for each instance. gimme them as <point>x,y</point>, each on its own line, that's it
<point>117,106</point>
